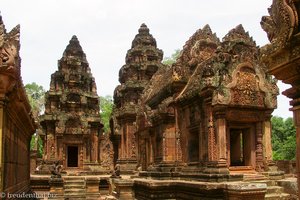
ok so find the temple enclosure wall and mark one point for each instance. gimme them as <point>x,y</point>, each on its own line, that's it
<point>16,122</point>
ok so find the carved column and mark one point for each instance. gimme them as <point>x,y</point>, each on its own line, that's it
<point>212,151</point>
<point>267,140</point>
<point>221,137</point>
<point>178,152</point>
<point>59,147</point>
<point>1,144</point>
<point>296,112</point>
<point>122,147</point>
<point>219,156</point>
<point>94,139</point>
<point>50,145</point>
<point>259,149</point>
<point>269,164</point>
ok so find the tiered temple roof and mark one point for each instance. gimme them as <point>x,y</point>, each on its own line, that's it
<point>142,61</point>
<point>71,117</point>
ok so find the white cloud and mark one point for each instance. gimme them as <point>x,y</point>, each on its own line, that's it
<point>106,29</point>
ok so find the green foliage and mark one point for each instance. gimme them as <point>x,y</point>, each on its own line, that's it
<point>170,60</point>
<point>283,139</point>
<point>106,106</point>
<point>36,143</point>
<point>35,94</point>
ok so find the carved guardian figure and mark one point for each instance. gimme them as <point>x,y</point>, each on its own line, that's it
<point>282,22</point>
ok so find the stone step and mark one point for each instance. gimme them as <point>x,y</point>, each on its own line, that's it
<point>57,198</point>
<point>274,190</point>
<point>74,178</point>
<point>95,197</point>
<point>108,197</point>
<point>282,196</point>
<point>268,182</point>
<point>254,177</point>
<point>71,186</point>
<point>70,180</point>
<point>75,190</point>
<point>74,197</point>
<point>75,182</point>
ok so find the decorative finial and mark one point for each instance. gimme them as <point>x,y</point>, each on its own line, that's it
<point>144,29</point>
<point>239,34</point>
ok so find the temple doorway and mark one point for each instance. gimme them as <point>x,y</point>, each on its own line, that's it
<point>240,144</point>
<point>72,156</point>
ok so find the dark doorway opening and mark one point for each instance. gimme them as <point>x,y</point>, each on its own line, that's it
<point>72,156</point>
<point>237,141</point>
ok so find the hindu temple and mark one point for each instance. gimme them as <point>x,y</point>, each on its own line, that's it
<point>142,61</point>
<point>71,122</point>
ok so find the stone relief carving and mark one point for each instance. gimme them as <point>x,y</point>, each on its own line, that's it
<point>9,48</point>
<point>282,22</point>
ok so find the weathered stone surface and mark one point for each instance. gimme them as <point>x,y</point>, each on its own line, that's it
<point>16,120</point>
<point>142,61</point>
<point>282,55</point>
<point>57,188</point>
<point>289,185</point>
<point>71,121</point>
<point>123,189</point>
<point>193,116</point>
<point>245,191</point>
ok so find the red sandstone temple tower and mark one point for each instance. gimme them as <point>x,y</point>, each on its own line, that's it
<point>71,121</point>
<point>142,61</point>
<point>209,113</point>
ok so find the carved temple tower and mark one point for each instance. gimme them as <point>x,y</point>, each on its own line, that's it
<point>142,61</point>
<point>71,121</point>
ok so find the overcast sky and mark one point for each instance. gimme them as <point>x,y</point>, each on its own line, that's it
<point>106,29</point>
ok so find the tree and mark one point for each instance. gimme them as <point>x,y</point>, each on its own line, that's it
<point>36,143</point>
<point>283,138</point>
<point>36,94</point>
<point>106,106</point>
<point>170,60</point>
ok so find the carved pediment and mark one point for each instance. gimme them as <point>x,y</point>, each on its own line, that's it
<point>246,90</point>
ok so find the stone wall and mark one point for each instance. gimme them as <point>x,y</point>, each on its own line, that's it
<point>16,122</point>
<point>288,166</point>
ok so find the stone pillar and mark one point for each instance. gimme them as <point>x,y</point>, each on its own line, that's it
<point>33,160</point>
<point>219,164</point>
<point>269,164</point>
<point>212,143</point>
<point>178,150</point>
<point>50,145</point>
<point>92,187</point>
<point>221,138</point>
<point>259,149</point>
<point>296,112</point>
<point>94,141</point>
<point>122,146</point>
<point>1,145</point>
<point>267,145</point>
<point>221,141</point>
<point>124,189</point>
